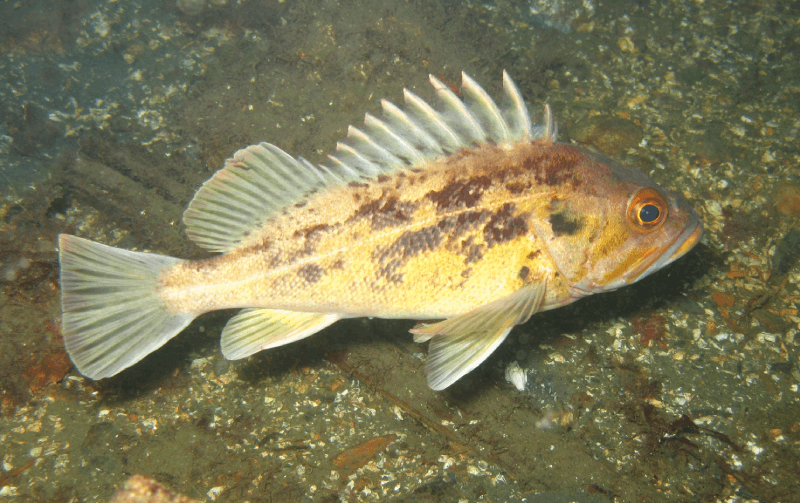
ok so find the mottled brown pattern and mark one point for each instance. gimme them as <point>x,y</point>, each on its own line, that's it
<point>308,231</point>
<point>456,226</point>
<point>504,226</point>
<point>555,166</point>
<point>460,194</point>
<point>311,273</point>
<point>385,211</point>
<point>472,251</point>
<point>408,245</point>
<point>517,188</point>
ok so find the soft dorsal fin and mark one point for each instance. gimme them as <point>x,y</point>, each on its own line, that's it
<point>262,180</point>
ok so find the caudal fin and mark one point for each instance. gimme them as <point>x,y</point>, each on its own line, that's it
<point>112,316</point>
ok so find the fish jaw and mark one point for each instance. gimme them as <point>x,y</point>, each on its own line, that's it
<point>679,247</point>
<point>645,263</point>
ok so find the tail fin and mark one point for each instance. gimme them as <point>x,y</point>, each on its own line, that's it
<point>112,316</point>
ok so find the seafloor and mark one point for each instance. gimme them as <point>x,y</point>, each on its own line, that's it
<point>684,387</point>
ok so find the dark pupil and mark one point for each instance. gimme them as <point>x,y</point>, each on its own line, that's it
<point>648,213</point>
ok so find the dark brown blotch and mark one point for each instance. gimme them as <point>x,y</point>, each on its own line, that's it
<point>524,272</point>
<point>460,194</point>
<point>308,231</point>
<point>391,259</point>
<point>386,211</point>
<point>517,188</point>
<point>471,250</point>
<point>468,223</point>
<point>504,226</point>
<point>456,226</point>
<point>563,224</point>
<point>310,273</point>
<point>412,243</point>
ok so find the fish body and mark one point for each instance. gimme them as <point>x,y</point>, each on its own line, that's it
<point>468,213</point>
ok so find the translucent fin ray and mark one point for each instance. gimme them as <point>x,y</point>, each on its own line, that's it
<point>456,113</point>
<point>255,183</point>
<point>253,330</point>
<point>415,135</point>
<point>112,316</point>
<point>460,344</point>
<point>515,111</point>
<point>433,122</point>
<point>262,180</point>
<point>485,110</point>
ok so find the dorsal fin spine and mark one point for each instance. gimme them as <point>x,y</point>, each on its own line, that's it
<point>432,121</point>
<point>263,180</point>
<point>375,152</point>
<point>453,110</point>
<point>419,138</point>
<point>387,138</point>
<point>483,107</point>
<point>353,157</point>
<point>514,110</point>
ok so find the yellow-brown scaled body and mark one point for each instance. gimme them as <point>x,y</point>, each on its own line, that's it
<point>470,213</point>
<point>439,241</point>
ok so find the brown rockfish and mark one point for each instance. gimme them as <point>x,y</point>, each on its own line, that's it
<point>466,212</point>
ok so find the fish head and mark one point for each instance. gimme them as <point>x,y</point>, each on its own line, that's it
<point>615,227</point>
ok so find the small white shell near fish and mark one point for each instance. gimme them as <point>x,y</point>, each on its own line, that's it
<point>516,376</point>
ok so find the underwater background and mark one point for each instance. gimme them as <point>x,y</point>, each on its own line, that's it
<point>683,387</point>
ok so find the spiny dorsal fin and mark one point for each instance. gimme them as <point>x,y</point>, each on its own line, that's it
<point>262,180</point>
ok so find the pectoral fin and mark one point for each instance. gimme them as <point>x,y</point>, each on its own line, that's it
<point>253,330</point>
<point>460,344</point>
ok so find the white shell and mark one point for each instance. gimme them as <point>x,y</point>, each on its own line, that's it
<point>516,376</point>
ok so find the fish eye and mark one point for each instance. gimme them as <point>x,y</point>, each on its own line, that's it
<point>648,213</point>
<point>647,210</point>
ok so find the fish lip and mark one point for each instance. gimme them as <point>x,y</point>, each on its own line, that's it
<point>679,246</point>
<point>687,244</point>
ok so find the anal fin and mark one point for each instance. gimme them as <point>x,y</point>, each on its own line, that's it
<point>253,330</point>
<point>461,343</point>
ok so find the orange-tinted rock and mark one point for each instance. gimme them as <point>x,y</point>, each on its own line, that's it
<point>650,327</point>
<point>49,370</point>
<point>354,458</point>
<point>787,199</point>
<point>723,299</point>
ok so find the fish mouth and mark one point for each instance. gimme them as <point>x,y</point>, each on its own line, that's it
<point>679,246</point>
<point>647,263</point>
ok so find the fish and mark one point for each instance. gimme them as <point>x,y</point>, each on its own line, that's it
<point>465,215</point>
